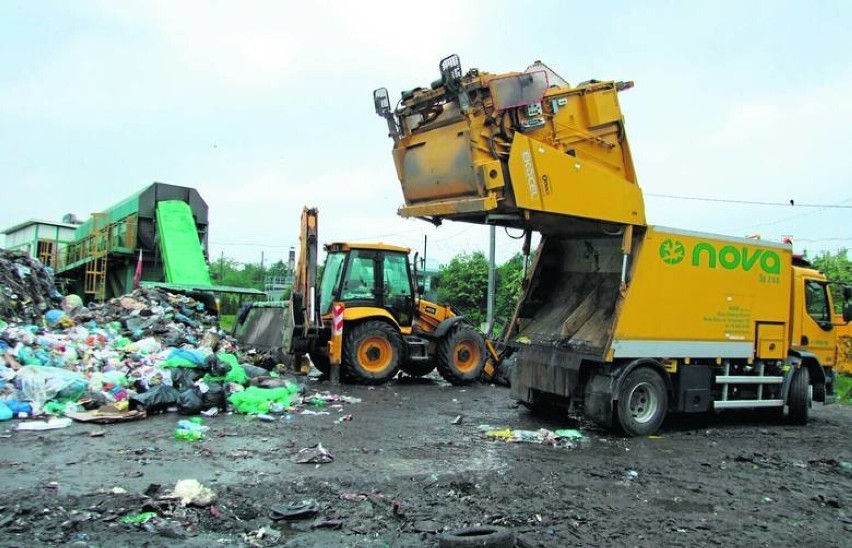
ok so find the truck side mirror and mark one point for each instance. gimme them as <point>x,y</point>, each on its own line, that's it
<point>421,289</point>
<point>847,312</point>
<point>382,102</point>
<point>847,292</point>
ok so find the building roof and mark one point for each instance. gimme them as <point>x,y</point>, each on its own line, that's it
<point>29,222</point>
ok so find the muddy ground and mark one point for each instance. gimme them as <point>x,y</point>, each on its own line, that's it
<point>403,472</point>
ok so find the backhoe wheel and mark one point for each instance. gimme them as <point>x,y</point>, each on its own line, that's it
<point>321,362</point>
<point>372,352</point>
<point>799,398</point>
<point>461,355</point>
<point>418,368</point>
<point>642,402</point>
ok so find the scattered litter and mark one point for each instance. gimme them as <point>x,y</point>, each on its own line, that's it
<point>192,429</point>
<point>138,518</point>
<point>316,454</point>
<point>542,436</point>
<point>569,433</point>
<point>50,424</point>
<point>295,510</point>
<point>192,492</point>
<point>344,418</point>
<point>118,491</point>
<point>457,420</point>
<point>105,415</point>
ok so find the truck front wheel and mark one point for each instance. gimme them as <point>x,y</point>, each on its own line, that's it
<point>799,398</point>
<point>642,402</point>
<point>372,352</point>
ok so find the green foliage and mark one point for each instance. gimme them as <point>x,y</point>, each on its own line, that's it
<point>509,277</point>
<point>837,268</point>
<point>463,284</point>
<point>227,271</point>
<point>843,389</point>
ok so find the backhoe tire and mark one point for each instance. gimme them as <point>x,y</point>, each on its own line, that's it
<point>372,353</point>
<point>799,397</point>
<point>418,368</point>
<point>461,355</point>
<point>642,402</point>
<point>321,362</point>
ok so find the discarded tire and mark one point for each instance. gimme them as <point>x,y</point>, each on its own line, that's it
<point>484,536</point>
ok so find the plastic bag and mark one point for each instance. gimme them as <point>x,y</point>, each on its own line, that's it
<point>190,402</point>
<point>214,396</point>
<point>254,400</point>
<point>184,379</point>
<point>42,384</point>
<point>156,399</point>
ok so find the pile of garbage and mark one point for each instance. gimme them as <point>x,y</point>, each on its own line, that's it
<point>145,352</point>
<point>26,287</point>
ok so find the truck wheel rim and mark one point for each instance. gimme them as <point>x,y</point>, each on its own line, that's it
<point>375,354</point>
<point>466,356</point>
<point>642,402</point>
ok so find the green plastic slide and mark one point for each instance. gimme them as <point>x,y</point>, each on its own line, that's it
<point>183,258</point>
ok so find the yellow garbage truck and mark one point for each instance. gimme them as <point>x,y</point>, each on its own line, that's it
<point>622,320</point>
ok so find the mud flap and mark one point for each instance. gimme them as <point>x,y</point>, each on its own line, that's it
<point>598,398</point>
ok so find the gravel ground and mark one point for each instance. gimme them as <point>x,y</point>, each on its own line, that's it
<point>403,473</point>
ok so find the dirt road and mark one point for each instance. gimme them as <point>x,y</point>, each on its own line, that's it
<point>402,472</point>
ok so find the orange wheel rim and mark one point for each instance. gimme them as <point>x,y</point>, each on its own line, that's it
<point>466,356</point>
<point>375,354</point>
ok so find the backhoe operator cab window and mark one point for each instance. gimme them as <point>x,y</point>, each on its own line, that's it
<point>360,282</point>
<point>816,302</point>
<point>330,282</point>
<point>398,292</point>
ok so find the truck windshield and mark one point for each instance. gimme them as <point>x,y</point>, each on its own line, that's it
<point>330,280</point>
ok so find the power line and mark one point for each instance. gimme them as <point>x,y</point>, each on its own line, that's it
<point>791,203</point>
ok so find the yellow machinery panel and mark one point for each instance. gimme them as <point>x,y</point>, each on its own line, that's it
<point>843,363</point>
<point>697,295</point>
<point>554,182</point>
<point>771,341</point>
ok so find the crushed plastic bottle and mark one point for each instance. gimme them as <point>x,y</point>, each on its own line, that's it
<point>191,429</point>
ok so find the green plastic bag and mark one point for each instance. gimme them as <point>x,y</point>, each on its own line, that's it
<point>138,518</point>
<point>254,400</point>
<point>236,374</point>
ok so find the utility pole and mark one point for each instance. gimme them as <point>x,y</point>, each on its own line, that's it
<point>492,236</point>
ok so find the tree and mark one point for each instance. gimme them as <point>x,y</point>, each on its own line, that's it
<point>463,284</point>
<point>509,277</point>
<point>837,268</point>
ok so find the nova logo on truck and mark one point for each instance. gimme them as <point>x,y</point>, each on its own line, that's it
<point>728,257</point>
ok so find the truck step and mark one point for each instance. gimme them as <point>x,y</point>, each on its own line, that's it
<point>746,404</point>
<point>741,379</point>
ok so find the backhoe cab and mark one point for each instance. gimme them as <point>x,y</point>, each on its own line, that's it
<point>386,325</point>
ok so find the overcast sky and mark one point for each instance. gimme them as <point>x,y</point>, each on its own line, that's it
<point>265,107</point>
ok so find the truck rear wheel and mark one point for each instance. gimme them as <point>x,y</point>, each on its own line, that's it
<point>372,352</point>
<point>799,398</point>
<point>461,355</point>
<point>642,402</point>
